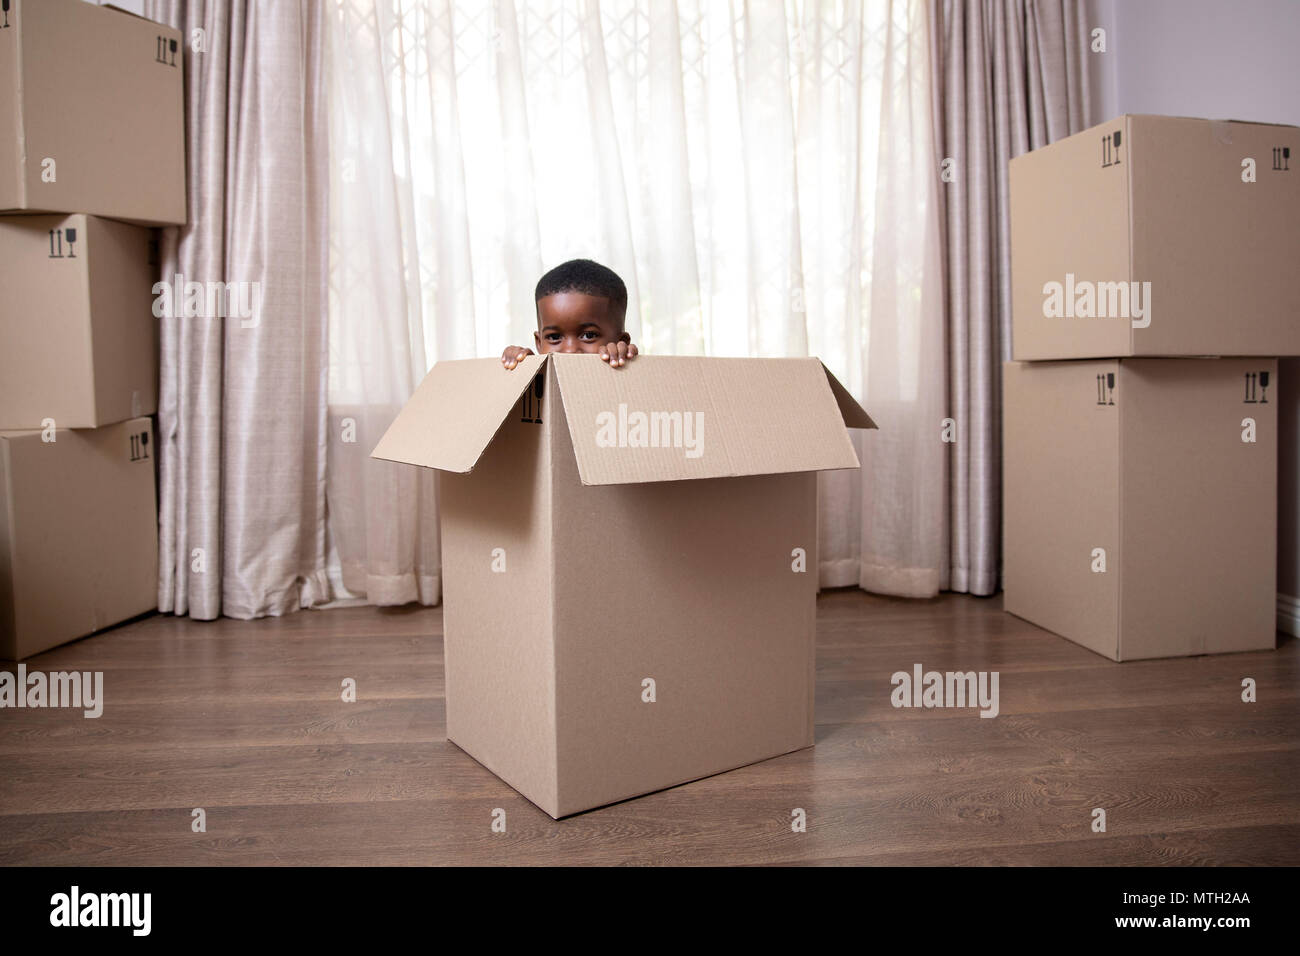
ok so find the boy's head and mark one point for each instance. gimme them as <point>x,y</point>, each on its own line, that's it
<point>581,305</point>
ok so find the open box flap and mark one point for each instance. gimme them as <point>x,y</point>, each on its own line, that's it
<point>456,411</point>
<point>854,415</point>
<point>668,418</point>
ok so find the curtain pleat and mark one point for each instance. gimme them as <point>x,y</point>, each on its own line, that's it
<point>1008,76</point>
<point>242,407</point>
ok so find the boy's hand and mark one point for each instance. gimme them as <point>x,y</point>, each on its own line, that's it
<point>513,355</point>
<point>617,353</point>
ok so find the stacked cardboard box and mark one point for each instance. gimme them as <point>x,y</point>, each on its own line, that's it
<point>1152,291</point>
<point>93,100</point>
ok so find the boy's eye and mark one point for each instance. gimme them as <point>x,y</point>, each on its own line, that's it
<point>589,335</point>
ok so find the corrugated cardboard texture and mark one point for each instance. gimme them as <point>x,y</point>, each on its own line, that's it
<point>760,416</point>
<point>100,92</point>
<point>1185,510</point>
<point>1221,255</point>
<point>562,597</point>
<point>689,584</point>
<point>1069,214</point>
<point>82,533</point>
<point>1199,530</point>
<point>455,411</point>
<point>1167,205</point>
<point>1061,499</point>
<point>498,625</point>
<point>751,417</point>
<point>78,340</point>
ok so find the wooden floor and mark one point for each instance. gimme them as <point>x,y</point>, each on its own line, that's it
<point>244,720</point>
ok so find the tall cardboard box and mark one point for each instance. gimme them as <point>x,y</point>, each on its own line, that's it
<point>78,533</point>
<point>1157,236</point>
<point>78,339</point>
<point>1140,503</point>
<point>629,601</point>
<point>92,102</point>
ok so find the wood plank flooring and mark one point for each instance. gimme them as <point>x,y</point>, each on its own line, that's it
<point>244,719</point>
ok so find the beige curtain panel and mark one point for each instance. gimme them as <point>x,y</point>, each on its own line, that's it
<point>762,176</point>
<point>1009,76</point>
<point>241,417</point>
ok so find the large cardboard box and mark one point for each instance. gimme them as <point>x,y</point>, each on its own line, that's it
<point>92,107</point>
<point>78,533</point>
<point>78,339</point>
<point>1140,503</point>
<point>1157,236</point>
<point>629,602</point>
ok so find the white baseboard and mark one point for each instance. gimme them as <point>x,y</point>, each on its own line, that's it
<point>1288,614</point>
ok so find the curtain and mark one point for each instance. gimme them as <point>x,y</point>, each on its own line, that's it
<point>242,407</point>
<point>1009,76</point>
<point>761,174</point>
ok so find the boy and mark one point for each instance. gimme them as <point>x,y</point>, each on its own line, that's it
<point>581,306</point>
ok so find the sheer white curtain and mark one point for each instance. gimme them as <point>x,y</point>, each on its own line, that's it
<point>761,174</point>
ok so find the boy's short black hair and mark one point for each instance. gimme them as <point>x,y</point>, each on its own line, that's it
<point>589,278</point>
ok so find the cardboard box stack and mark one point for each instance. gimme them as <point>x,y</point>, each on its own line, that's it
<point>93,100</point>
<point>1153,290</point>
<point>630,563</point>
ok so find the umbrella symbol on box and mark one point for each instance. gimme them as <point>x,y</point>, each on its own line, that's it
<point>1110,148</point>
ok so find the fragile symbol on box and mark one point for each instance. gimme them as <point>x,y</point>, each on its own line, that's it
<point>1253,396</point>
<point>57,237</point>
<point>1282,158</point>
<point>5,6</point>
<point>140,446</point>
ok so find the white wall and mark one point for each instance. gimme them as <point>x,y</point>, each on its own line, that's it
<point>1221,60</point>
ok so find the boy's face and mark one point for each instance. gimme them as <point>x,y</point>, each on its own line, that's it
<point>575,322</point>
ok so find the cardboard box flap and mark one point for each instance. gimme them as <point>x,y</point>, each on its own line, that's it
<point>855,416</point>
<point>455,412</point>
<point>668,418</point>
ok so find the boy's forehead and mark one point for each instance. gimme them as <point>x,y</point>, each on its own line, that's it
<point>560,306</point>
